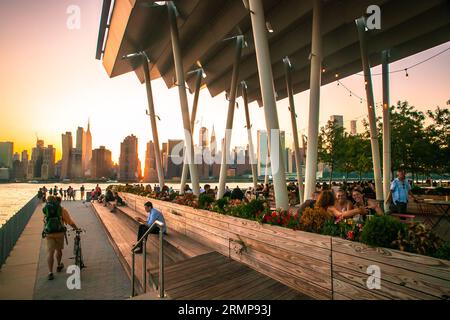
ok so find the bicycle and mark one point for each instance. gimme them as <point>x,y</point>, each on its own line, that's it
<point>78,256</point>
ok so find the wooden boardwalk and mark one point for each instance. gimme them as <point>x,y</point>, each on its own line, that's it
<point>192,270</point>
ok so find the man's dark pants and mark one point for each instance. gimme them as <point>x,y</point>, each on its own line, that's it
<point>399,207</point>
<point>142,229</point>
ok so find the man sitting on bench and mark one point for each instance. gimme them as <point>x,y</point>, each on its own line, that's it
<point>153,215</point>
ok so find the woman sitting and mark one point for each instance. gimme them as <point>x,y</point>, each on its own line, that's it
<point>343,209</point>
<point>371,206</point>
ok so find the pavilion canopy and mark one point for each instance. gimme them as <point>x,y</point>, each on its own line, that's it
<point>407,27</point>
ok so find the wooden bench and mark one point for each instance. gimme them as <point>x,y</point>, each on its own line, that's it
<point>186,245</point>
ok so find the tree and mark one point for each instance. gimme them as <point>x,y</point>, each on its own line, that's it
<point>331,145</point>
<point>439,138</point>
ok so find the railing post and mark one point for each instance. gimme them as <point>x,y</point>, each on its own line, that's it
<point>132,274</point>
<point>144,264</point>
<point>161,263</point>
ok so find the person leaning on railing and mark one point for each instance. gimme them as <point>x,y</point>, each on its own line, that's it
<point>153,215</point>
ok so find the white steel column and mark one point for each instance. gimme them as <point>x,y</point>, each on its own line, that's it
<point>314,101</point>
<point>290,93</point>
<point>249,133</point>
<point>189,143</point>
<point>268,97</point>
<point>151,113</point>
<point>386,129</point>
<point>230,117</point>
<point>198,82</point>
<point>361,25</point>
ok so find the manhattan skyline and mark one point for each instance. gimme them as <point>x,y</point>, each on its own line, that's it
<point>58,85</point>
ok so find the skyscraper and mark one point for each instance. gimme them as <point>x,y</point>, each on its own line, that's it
<point>203,138</point>
<point>88,151</point>
<point>6,154</point>
<point>101,163</point>
<point>129,162</point>
<point>66,165</point>
<point>24,160</point>
<point>263,156</point>
<point>262,151</point>
<point>213,143</point>
<point>81,152</point>
<point>353,130</point>
<point>48,163</point>
<point>174,159</point>
<point>338,119</point>
<point>150,173</point>
<point>37,158</point>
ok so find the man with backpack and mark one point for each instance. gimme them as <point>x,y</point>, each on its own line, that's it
<point>55,217</point>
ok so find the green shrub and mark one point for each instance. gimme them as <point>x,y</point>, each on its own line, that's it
<point>418,239</point>
<point>205,201</point>
<point>220,205</point>
<point>443,252</point>
<point>382,231</point>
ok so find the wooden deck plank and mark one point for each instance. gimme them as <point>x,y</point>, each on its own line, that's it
<point>406,281</point>
<point>417,263</point>
<point>387,288</point>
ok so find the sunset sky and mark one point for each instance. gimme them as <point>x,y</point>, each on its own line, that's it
<point>51,83</point>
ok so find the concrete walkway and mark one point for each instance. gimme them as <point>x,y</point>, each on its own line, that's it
<point>18,274</point>
<point>24,275</point>
<point>103,277</point>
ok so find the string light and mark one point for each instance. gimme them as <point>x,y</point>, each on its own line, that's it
<point>410,67</point>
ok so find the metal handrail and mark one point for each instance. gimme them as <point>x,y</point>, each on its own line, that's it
<point>143,240</point>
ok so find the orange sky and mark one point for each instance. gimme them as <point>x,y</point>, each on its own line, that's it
<point>51,83</point>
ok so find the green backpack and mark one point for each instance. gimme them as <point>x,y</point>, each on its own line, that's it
<point>53,218</point>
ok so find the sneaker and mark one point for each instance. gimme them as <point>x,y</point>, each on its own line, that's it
<point>50,276</point>
<point>60,267</point>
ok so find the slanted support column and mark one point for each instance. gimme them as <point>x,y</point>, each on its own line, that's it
<point>151,113</point>
<point>189,143</point>
<point>361,25</point>
<point>314,101</point>
<point>230,117</point>
<point>386,129</point>
<point>290,93</point>
<point>198,82</point>
<point>268,97</point>
<point>249,133</point>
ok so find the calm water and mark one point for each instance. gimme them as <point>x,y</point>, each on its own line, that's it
<point>13,196</point>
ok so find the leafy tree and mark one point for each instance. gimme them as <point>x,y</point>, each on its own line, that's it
<point>331,145</point>
<point>439,137</point>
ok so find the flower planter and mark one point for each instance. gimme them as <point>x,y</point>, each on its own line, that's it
<point>323,267</point>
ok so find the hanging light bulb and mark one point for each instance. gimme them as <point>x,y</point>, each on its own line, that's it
<point>336,75</point>
<point>350,93</point>
<point>406,73</point>
<point>323,70</point>
<point>360,101</point>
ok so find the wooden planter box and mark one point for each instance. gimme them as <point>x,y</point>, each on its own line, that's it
<point>323,267</point>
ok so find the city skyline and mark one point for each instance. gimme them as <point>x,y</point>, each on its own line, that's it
<point>63,76</point>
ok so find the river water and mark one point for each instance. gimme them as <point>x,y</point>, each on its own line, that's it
<point>13,196</point>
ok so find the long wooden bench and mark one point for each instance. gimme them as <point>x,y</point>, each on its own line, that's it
<point>181,242</point>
